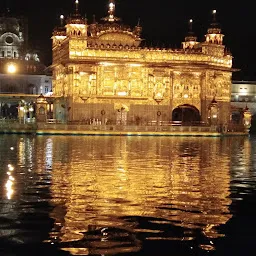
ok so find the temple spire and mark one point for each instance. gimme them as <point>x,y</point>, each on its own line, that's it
<point>214,34</point>
<point>138,29</point>
<point>138,24</point>
<point>111,8</point>
<point>93,19</point>
<point>111,11</point>
<point>59,32</point>
<point>214,16</point>
<point>190,39</point>
<point>76,17</point>
<point>190,26</point>
<point>61,19</point>
<point>76,6</point>
<point>214,23</point>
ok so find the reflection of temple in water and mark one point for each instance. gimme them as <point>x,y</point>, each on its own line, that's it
<point>174,180</point>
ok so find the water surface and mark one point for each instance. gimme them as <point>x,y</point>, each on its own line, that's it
<point>118,195</point>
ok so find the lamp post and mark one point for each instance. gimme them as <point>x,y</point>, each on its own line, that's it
<point>25,113</point>
<point>30,110</point>
<point>213,112</point>
<point>20,112</point>
<point>247,119</point>
<point>102,116</point>
<point>158,98</point>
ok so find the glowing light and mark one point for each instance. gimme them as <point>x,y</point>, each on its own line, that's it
<point>185,96</point>
<point>62,16</point>
<point>11,148</point>
<point>111,6</point>
<point>107,64</point>
<point>9,188</point>
<point>10,167</point>
<point>243,91</point>
<point>122,93</point>
<point>49,152</point>
<point>11,68</point>
<point>159,95</point>
<point>190,20</point>
<point>60,37</point>
<point>214,11</point>
<point>134,65</point>
<point>82,73</point>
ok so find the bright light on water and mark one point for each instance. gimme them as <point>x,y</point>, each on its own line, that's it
<point>99,195</point>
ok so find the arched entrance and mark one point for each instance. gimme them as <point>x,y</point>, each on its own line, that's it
<point>186,114</point>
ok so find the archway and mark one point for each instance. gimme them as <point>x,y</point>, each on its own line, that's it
<point>186,114</point>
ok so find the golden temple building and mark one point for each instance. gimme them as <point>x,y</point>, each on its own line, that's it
<point>102,72</point>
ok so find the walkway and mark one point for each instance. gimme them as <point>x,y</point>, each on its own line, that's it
<point>13,127</point>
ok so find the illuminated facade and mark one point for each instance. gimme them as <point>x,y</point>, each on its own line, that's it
<point>101,70</point>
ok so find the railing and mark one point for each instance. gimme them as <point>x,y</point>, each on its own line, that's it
<point>14,124</point>
<point>142,128</point>
<point>11,124</point>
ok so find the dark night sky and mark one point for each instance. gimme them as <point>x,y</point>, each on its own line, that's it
<point>164,22</point>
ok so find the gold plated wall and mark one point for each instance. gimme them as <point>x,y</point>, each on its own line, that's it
<point>105,69</point>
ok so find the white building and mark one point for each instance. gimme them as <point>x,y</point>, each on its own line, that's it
<point>22,76</point>
<point>244,94</point>
<point>13,36</point>
<point>25,84</point>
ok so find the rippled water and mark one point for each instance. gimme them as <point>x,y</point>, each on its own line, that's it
<point>117,195</point>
